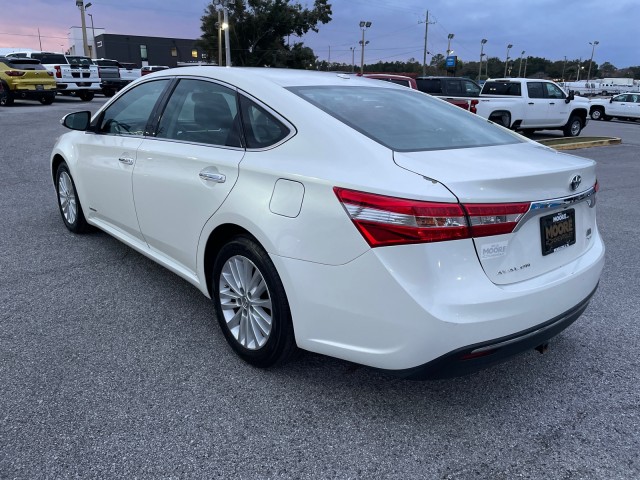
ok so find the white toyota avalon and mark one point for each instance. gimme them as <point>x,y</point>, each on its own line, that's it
<point>341,215</point>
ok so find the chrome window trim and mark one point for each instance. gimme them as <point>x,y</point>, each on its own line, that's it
<point>536,208</point>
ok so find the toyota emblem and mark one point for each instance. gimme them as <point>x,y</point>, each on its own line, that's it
<point>576,180</point>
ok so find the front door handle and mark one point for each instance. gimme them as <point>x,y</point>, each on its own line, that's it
<point>126,160</point>
<point>212,177</point>
<point>552,103</point>
<point>531,103</point>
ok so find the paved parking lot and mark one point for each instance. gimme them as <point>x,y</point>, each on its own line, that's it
<point>113,367</point>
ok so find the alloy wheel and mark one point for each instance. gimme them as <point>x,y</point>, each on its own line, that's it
<point>246,302</point>
<point>67,198</point>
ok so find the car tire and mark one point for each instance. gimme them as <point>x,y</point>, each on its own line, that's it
<point>6,98</point>
<point>529,131</point>
<point>573,127</point>
<point>501,118</point>
<point>68,201</point>
<point>597,114</point>
<point>85,96</point>
<point>47,99</point>
<point>251,304</point>
<point>108,92</point>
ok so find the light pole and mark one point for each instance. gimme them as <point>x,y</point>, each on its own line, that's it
<point>225,26</point>
<point>564,66</point>
<point>506,62</point>
<point>593,48</point>
<point>525,67</point>
<point>80,5</point>
<point>482,42</point>
<point>363,26</point>
<point>520,67</point>
<point>353,59</point>
<point>580,67</point>
<point>449,37</point>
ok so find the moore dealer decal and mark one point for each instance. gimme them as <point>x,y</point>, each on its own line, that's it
<point>493,250</point>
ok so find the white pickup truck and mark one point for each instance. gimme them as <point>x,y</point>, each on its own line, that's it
<point>73,74</point>
<point>530,104</point>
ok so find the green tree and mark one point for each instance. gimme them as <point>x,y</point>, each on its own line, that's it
<point>260,31</point>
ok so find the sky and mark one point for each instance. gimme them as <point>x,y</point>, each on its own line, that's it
<point>542,28</point>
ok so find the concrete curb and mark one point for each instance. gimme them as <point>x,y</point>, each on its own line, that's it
<point>572,143</point>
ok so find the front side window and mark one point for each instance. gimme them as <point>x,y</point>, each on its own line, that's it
<point>471,89</point>
<point>130,113</point>
<point>404,120</point>
<point>553,91</point>
<point>201,112</point>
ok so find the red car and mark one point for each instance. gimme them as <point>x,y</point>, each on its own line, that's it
<point>398,79</point>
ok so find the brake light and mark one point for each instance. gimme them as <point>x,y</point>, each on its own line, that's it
<point>386,220</point>
<point>472,106</point>
<point>58,71</point>
<point>14,73</point>
<point>494,218</point>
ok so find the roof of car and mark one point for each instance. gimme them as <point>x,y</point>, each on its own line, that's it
<point>278,76</point>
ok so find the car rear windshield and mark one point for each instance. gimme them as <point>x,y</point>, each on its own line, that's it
<point>79,61</point>
<point>405,120</point>
<point>107,63</point>
<point>24,64</point>
<point>502,88</point>
<point>50,58</point>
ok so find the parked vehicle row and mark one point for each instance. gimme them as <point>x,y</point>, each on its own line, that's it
<point>114,75</point>
<point>74,74</point>
<point>444,245</point>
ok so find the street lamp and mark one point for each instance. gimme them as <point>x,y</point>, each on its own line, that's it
<point>449,37</point>
<point>93,34</point>
<point>482,42</point>
<point>80,5</point>
<point>520,67</point>
<point>225,26</point>
<point>506,62</point>
<point>363,26</point>
<point>593,47</point>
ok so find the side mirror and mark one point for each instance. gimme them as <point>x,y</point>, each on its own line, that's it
<point>611,100</point>
<point>570,97</point>
<point>77,121</point>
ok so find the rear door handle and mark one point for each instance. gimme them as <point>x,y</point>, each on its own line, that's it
<point>552,103</point>
<point>531,103</point>
<point>212,177</point>
<point>126,160</point>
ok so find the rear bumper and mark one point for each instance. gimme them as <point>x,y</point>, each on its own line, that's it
<point>476,357</point>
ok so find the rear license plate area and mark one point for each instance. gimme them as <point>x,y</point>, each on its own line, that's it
<point>558,231</point>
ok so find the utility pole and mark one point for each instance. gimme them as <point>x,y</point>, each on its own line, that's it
<point>39,39</point>
<point>219,38</point>
<point>593,45</point>
<point>506,62</point>
<point>426,32</point>
<point>563,67</point>
<point>520,67</point>
<point>227,47</point>
<point>329,59</point>
<point>353,59</point>
<point>525,67</point>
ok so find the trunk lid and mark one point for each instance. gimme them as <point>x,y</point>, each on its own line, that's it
<point>523,172</point>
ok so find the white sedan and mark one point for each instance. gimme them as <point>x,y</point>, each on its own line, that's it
<point>341,215</point>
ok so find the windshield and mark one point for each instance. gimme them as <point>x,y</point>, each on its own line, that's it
<point>405,120</point>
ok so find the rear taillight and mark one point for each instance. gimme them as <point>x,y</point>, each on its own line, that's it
<point>384,220</point>
<point>472,106</point>
<point>494,218</point>
<point>58,71</point>
<point>14,73</point>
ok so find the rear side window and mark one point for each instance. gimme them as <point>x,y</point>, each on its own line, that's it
<point>429,85</point>
<point>502,88</point>
<point>130,113</point>
<point>261,128</point>
<point>535,90</point>
<point>404,120</point>
<point>453,87</point>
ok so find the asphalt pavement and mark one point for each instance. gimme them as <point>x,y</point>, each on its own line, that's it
<point>113,367</point>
